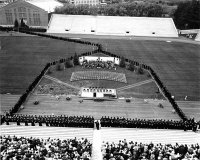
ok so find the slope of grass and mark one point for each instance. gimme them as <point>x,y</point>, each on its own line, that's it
<point>22,58</point>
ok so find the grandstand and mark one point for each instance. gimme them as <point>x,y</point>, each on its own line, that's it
<point>100,25</point>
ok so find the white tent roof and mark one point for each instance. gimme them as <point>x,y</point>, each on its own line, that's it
<point>47,5</point>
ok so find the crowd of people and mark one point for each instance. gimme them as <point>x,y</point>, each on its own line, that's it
<point>153,123</point>
<point>99,64</point>
<point>103,75</point>
<point>124,150</point>
<point>50,120</point>
<point>23,148</point>
<point>88,122</point>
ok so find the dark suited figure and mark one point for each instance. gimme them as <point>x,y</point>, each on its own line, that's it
<point>97,124</point>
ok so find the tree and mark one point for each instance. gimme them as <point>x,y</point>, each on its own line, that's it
<point>68,63</point>
<point>22,24</point>
<point>76,59</point>
<point>140,70</point>
<point>58,66</point>
<point>16,24</point>
<point>122,62</point>
<point>187,15</point>
<point>49,70</point>
<point>131,66</point>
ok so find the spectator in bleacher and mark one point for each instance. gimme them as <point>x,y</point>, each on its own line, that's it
<point>134,151</point>
<point>38,149</point>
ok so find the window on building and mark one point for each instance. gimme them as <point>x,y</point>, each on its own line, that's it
<point>9,16</point>
<point>30,21</point>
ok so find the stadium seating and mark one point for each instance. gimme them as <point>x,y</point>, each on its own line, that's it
<point>13,147</point>
<point>133,150</point>
<point>103,75</point>
<point>82,26</point>
<point>104,26</point>
<point>101,25</point>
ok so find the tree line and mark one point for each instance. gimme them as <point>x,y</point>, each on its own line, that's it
<point>118,9</point>
<point>185,16</point>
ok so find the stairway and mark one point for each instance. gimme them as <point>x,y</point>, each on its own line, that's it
<point>96,145</point>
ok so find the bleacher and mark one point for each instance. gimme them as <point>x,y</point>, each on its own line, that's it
<point>102,75</point>
<point>101,25</point>
<point>198,36</point>
<point>104,26</point>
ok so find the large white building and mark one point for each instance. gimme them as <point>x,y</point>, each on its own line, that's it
<point>31,14</point>
<point>88,2</point>
<point>97,92</point>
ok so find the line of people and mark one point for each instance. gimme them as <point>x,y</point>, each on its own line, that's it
<point>154,123</point>
<point>52,120</point>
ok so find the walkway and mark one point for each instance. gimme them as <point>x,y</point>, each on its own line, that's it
<point>135,85</point>
<point>58,81</point>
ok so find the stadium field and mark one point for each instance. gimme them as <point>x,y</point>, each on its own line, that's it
<point>22,58</point>
<point>176,62</point>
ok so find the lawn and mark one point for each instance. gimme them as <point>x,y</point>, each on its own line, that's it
<point>22,58</point>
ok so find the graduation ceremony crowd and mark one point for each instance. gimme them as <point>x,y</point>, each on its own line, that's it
<point>99,64</point>
<point>23,148</point>
<point>191,124</point>
<point>52,120</point>
<point>88,122</point>
<point>124,150</point>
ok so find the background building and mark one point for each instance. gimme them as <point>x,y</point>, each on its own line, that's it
<point>47,5</point>
<point>88,2</point>
<point>31,14</point>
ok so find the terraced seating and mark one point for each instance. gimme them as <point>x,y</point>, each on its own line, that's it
<point>36,148</point>
<point>109,25</point>
<point>103,75</point>
<point>133,150</point>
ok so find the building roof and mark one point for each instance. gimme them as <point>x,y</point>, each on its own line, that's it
<point>24,2</point>
<point>47,5</point>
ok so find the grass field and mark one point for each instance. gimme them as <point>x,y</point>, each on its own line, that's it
<point>22,58</point>
<point>137,108</point>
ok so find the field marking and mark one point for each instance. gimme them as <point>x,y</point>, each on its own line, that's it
<point>58,81</point>
<point>135,85</point>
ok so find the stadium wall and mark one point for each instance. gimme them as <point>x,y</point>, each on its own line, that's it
<point>112,25</point>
